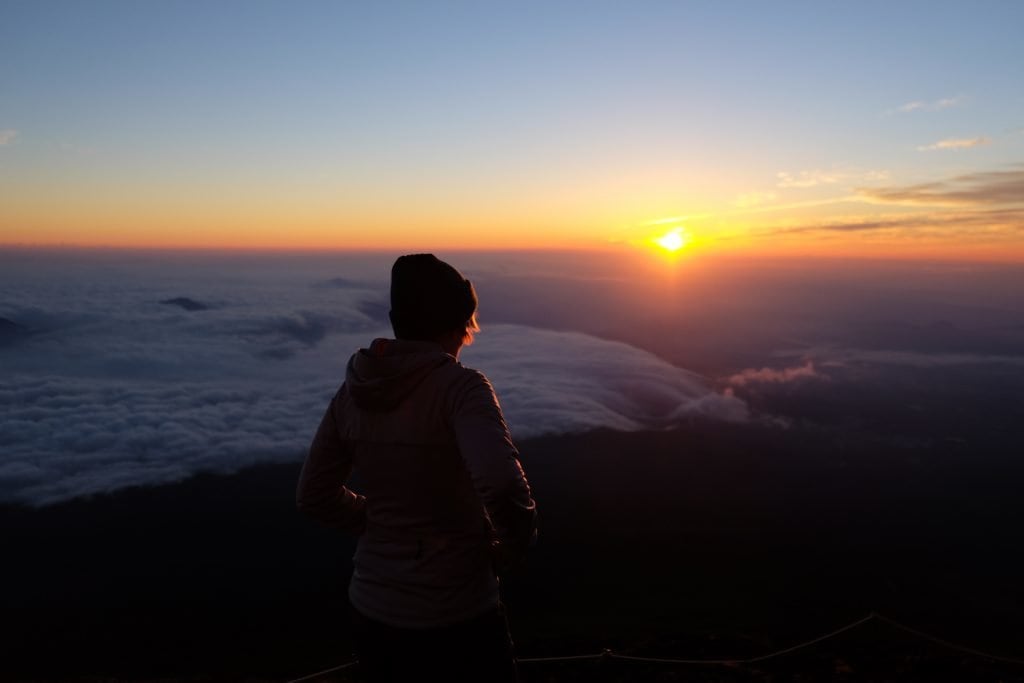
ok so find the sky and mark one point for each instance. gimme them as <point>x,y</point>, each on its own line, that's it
<point>881,129</point>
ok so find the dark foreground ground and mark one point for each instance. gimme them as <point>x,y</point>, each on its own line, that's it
<point>709,541</point>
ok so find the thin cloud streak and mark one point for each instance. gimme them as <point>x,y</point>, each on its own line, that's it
<point>751,199</point>
<point>810,203</point>
<point>955,143</point>
<point>994,224</point>
<point>815,178</point>
<point>991,187</point>
<point>853,356</point>
<point>936,105</point>
<point>806,178</point>
<point>7,136</point>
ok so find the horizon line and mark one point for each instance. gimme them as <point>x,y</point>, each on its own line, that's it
<point>610,249</point>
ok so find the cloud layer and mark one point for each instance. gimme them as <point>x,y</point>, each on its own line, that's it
<point>106,385</point>
<point>553,382</point>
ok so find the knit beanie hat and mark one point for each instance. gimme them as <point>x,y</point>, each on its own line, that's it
<point>429,297</point>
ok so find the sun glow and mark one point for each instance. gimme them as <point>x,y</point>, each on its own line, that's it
<point>673,240</point>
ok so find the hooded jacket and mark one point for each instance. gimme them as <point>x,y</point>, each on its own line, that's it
<point>442,493</point>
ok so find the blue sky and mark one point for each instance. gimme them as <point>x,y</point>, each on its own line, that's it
<point>593,116</point>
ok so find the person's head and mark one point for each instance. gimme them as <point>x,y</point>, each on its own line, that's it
<point>431,301</point>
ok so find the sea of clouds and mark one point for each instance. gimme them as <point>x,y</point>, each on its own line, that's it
<point>125,370</point>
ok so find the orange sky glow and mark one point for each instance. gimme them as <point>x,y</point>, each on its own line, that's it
<point>531,136</point>
<point>269,222</point>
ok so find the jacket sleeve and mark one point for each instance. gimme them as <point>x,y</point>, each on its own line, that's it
<point>321,492</point>
<point>493,464</point>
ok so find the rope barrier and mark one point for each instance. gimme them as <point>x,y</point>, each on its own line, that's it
<point>946,643</point>
<point>609,654</point>
<point>750,660</point>
<point>325,671</point>
<point>808,643</point>
<point>567,658</point>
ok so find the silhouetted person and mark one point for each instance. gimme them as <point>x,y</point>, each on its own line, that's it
<point>444,498</point>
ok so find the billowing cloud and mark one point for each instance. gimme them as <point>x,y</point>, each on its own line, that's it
<point>934,105</point>
<point>955,143</point>
<point>991,187</point>
<point>108,387</point>
<point>7,135</point>
<point>556,382</point>
<point>776,376</point>
<point>66,437</point>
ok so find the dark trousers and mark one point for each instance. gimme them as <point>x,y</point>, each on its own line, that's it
<point>475,650</point>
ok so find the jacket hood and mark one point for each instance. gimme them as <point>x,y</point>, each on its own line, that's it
<point>378,378</point>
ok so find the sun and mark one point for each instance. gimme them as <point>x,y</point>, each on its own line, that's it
<point>673,240</point>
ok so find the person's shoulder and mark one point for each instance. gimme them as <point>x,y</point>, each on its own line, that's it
<point>464,385</point>
<point>467,375</point>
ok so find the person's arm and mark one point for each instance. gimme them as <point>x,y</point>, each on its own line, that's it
<point>321,492</point>
<point>493,463</point>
